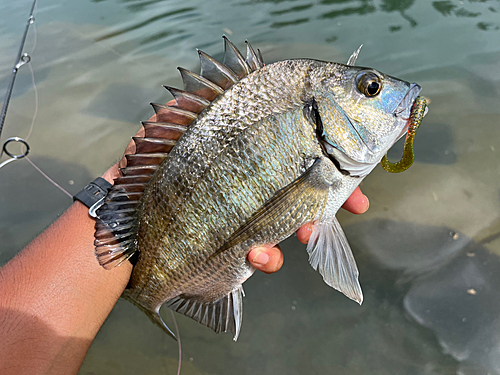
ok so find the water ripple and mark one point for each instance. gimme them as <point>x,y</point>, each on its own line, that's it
<point>145,23</point>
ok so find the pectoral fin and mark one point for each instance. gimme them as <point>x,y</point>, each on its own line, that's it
<point>330,254</point>
<point>310,189</point>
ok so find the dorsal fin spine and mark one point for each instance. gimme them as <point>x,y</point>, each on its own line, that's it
<point>252,59</point>
<point>201,86</point>
<point>158,107</point>
<point>234,59</point>
<point>223,76</point>
<point>153,145</point>
<point>188,100</point>
<point>166,130</point>
<point>178,92</point>
<point>145,159</point>
<point>261,59</point>
<point>138,170</point>
<point>168,113</point>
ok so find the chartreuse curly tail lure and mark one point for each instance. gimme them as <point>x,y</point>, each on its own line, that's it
<point>416,116</point>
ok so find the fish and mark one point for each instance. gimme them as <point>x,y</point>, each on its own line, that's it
<point>247,154</point>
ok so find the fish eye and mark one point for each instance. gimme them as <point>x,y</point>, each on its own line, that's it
<point>368,83</point>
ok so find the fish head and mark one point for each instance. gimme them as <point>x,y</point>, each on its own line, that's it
<point>363,113</point>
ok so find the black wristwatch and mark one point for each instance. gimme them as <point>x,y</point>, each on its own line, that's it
<point>93,194</point>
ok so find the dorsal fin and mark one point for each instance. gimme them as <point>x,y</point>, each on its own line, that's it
<point>116,227</point>
<point>139,170</point>
<point>253,61</point>
<point>145,159</point>
<point>167,130</point>
<point>216,72</point>
<point>201,86</point>
<point>187,100</point>
<point>261,59</point>
<point>234,60</point>
<point>175,115</point>
<point>152,145</point>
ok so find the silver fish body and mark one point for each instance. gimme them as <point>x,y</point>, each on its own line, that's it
<point>282,146</point>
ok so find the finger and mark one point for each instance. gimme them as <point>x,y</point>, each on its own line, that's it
<point>357,203</point>
<point>304,233</point>
<point>266,259</point>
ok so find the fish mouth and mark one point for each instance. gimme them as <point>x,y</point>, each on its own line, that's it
<point>404,107</point>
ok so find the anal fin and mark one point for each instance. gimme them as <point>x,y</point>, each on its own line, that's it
<point>222,315</point>
<point>330,254</point>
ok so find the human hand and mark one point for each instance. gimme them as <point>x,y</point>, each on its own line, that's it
<point>270,259</point>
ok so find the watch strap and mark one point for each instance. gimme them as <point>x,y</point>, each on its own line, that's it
<point>93,194</point>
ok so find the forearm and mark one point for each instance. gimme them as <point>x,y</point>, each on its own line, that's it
<point>54,297</point>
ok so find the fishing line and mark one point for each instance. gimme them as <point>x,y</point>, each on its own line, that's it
<point>48,178</point>
<point>24,59</point>
<point>178,341</point>
<point>110,49</point>
<point>34,84</point>
<point>24,154</point>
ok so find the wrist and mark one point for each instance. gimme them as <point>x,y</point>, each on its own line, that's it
<point>112,173</point>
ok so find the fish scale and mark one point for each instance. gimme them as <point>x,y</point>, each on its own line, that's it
<point>268,149</point>
<point>188,223</point>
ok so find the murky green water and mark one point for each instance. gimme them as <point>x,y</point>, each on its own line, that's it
<point>427,249</point>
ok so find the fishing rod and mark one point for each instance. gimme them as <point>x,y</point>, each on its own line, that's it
<point>22,59</point>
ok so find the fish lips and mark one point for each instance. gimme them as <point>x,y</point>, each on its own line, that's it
<point>403,109</point>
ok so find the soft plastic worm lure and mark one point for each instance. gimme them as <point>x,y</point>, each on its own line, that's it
<point>416,116</point>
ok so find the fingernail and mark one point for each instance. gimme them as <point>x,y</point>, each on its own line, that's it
<point>261,258</point>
